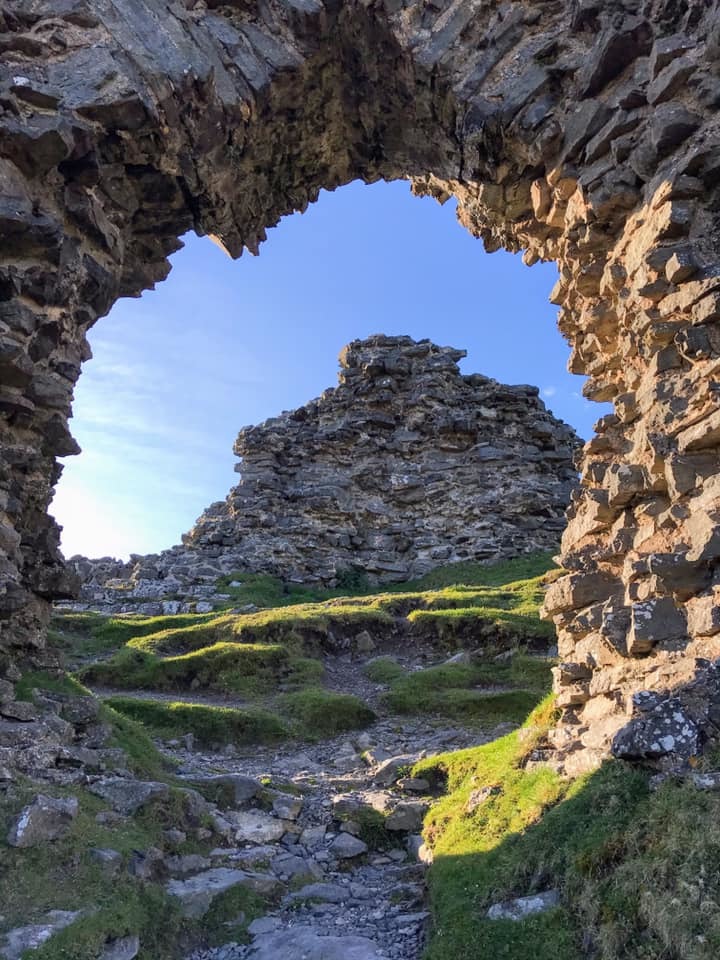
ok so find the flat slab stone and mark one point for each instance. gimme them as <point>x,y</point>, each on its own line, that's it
<point>324,892</point>
<point>240,788</point>
<point>524,906</point>
<point>34,935</point>
<point>128,796</point>
<point>307,945</point>
<point>196,894</point>
<point>252,827</point>
<point>264,925</point>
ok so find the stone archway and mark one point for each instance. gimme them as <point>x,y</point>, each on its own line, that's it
<point>577,131</point>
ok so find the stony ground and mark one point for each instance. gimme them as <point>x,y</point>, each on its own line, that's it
<point>347,899</point>
<point>351,890</point>
<point>270,834</point>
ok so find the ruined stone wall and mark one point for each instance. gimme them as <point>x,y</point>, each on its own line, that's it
<point>405,465</point>
<point>574,130</point>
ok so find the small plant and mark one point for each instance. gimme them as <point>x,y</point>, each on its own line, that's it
<point>352,580</point>
<point>383,670</point>
<point>373,831</point>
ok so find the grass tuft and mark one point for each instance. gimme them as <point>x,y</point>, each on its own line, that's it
<point>251,669</point>
<point>384,670</point>
<point>319,713</point>
<point>209,725</point>
<point>466,690</point>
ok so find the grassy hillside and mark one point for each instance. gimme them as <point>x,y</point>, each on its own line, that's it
<point>268,665</point>
<point>636,869</point>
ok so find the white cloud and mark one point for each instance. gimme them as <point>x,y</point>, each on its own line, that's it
<point>549,391</point>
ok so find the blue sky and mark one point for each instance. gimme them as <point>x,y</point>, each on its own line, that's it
<point>222,344</point>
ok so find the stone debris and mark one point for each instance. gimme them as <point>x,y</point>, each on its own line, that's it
<point>453,467</point>
<point>377,894</point>
<point>323,893</point>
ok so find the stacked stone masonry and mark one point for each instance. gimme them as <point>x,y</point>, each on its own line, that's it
<point>404,466</point>
<point>573,130</point>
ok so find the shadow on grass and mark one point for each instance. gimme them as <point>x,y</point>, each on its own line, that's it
<point>637,871</point>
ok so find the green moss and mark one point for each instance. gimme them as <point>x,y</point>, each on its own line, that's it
<point>263,590</point>
<point>209,725</point>
<point>116,631</point>
<point>62,875</point>
<point>308,714</point>
<point>373,831</point>
<point>249,669</point>
<point>50,681</point>
<point>144,759</point>
<point>318,713</point>
<point>476,622</point>
<point>89,634</point>
<point>126,909</point>
<point>303,626</point>
<point>230,915</point>
<point>490,575</point>
<point>384,670</point>
<point>465,690</point>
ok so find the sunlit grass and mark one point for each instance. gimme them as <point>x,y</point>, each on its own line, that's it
<point>636,870</point>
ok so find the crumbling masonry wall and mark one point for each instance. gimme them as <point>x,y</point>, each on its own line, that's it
<point>405,465</point>
<point>578,131</point>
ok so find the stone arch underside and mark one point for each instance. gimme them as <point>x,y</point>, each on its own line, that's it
<point>574,130</point>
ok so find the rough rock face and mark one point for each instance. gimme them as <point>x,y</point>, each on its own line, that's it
<point>405,465</point>
<point>582,132</point>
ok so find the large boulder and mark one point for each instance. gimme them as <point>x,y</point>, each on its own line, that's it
<point>44,820</point>
<point>128,796</point>
<point>124,948</point>
<point>34,935</point>
<point>196,894</point>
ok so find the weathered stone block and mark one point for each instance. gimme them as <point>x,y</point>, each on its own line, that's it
<point>655,621</point>
<point>576,591</point>
<point>45,819</point>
